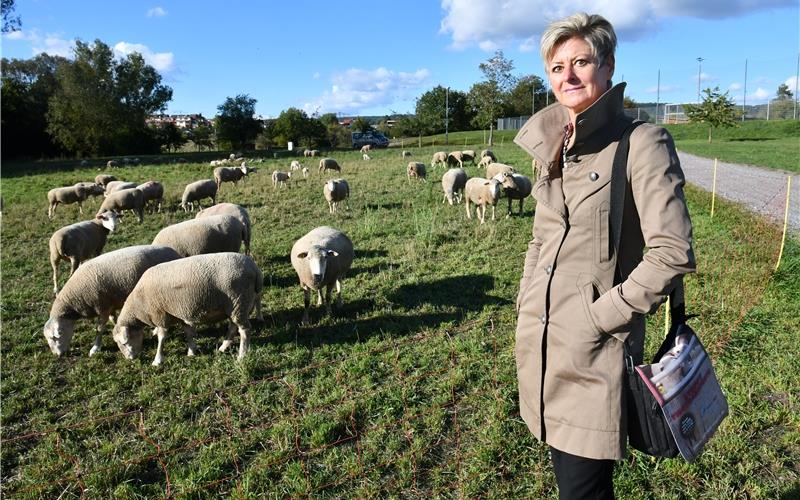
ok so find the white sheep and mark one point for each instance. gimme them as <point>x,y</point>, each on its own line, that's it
<point>366,157</point>
<point>306,153</point>
<point>230,174</point>
<point>233,210</point>
<point>103,179</point>
<point>336,191</point>
<point>112,163</point>
<point>439,158</point>
<point>522,189</point>
<point>485,161</point>
<point>314,152</point>
<point>405,154</point>
<point>416,170</point>
<point>196,290</point>
<point>483,192</point>
<point>329,164</point>
<point>366,148</point>
<point>215,233</point>
<point>295,165</point>
<point>70,194</point>
<point>98,289</point>
<point>489,153</point>
<point>455,158</point>
<point>453,182</point>
<point>152,191</point>
<point>280,178</point>
<point>468,155</point>
<point>126,199</point>
<point>112,186</point>
<point>498,168</point>
<point>196,191</point>
<point>80,241</point>
<point>321,258</point>
<point>305,172</point>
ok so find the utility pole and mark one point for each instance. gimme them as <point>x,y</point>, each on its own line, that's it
<point>699,72</point>
<point>446,115</point>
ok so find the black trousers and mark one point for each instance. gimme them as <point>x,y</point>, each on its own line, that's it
<point>581,478</point>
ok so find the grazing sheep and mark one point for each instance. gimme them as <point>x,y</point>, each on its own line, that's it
<point>237,211</point>
<point>152,191</point>
<point>125,199</point>
<point>112,186</point>
<point>305,172</point>
<point>321,258</point>
<point>201,289</point>
<point>468,155</point>
<point>280,178</point>
<point>215,233</point>
<point>520,192</point>
<point>484,192</point>
<point>80,241</point>
<point>295,165</point>
<point>453,182</point>
<point>489,153</point>
<point>104,179</point>
<point>314,152</point>
<point>196,191</point>
<point>98,289</point>
<point>365,157</point>
<point>485,161</point>
<point>336,191</point>
<point>498,168</point>
<point>329,164</point>
<point>70,194</point>
<point>366,148</point>
<point>94,188</point>
<point>112,163</point>
<point>230,174</point>
<point>307,153</point>
<point>455,158</point>
<point>416,170</point>
<point>439,158</point>
<point>405,154</point>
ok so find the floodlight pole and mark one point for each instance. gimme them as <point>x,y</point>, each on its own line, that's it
<point>446,115</point>
<point>744,98</point>
<point>796,79</point>
<point>699,72</point>
<point>658,94</point>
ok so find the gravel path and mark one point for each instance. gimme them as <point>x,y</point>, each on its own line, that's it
<point>759,189</point>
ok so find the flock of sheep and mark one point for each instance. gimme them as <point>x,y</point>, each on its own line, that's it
<point>193,273</point>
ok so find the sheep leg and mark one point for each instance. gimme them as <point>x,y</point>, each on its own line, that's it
<point>492,211</point>
<point>482,211</point>
<point>244,342</point>
<point>228,338</point>
<point>51,210</point>
<point>54,263</point>
<point>338,293</point>
<point>74,263</point>
<point>328,290</point>
<point>161,333</point>
<point>189,332</point>
<point>259,316</point>
<point>520,205</point>
<point>98,342</point>
<point>469,212</point>
<point>140,214</point>
<point>80,208</point>
<point>307,302</point>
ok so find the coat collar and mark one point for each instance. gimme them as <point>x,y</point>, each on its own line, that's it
<point>542,138</point>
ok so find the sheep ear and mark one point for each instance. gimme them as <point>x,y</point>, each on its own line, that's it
<point>303,255</point>
<point>333,253</point>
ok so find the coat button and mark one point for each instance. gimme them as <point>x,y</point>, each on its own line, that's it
<point>543,318</point>
<point>594,176</point>
<point>548,269</point>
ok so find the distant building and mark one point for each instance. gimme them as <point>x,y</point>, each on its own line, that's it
<point>187,122</point>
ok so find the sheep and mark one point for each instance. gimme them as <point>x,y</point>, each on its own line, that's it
<point>322,258</point>
<point>112,186</point>
<point>468,155</point>
<point>196,191</point>
<point>405,154</point>
<point>520,192</point>
<point>336,191</point>
<point>98,289</point>
<point>103,179</point>
<point>453,182</point>
<point>455,158</point>
<point>305,172</point>
<point>416,170</point>
<point>489,153</point>
<point>125,199</point>
<point>329,164</point>
<point>439,158</point>
<point>80,241</point>
<point>485,161</point>
<point>366,157</point>
<point>237,211</point>
<point>112,163</point>
<point>230,174</point>
<point>314,152</point>
<point>366,148</point>
<point>295,165</point>
<point>152,191</point>
<point>70,194</point>
<point>497,168</point>
<point>306,153</point>
<point>215,233</point>
<point>196,290</point>
<point>232,157</point>
<point>94,188</point>
<point>280,178</point>
<point>484,192</point>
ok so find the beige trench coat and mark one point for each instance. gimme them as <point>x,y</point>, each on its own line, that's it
<point>572,318</point>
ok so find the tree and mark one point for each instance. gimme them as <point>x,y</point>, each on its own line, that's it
<point>294,125</point>
<point>236,123</point>
<point>169,136</point>
<point>718,110</point>
<point>360,124</point>
<point>487,97</point>
<point>440,104</point>
<point>521,101</point>
<point>782,107</point>
<point>202,136</point>
<point>783,93</point>
<point>10,21</point>
<point>100,104</point>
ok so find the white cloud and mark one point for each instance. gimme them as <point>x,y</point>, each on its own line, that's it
<point>163,62</point>
<point>791,82</point>
<point>735,87</point>
<point>356,89</point>
<point>14,35</point>
<point>492,24</point>
<point>156,12</point>
<point>760,94</point>
<point>704,77</point>
<point>664,89</point>
<point>50,43</point>
<point>316,75</point>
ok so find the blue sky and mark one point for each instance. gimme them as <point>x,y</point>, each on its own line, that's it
<point>375,57</point>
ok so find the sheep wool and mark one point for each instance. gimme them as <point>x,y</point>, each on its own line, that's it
<point>196,191</point>
<point>125,199</point>
<point>453,182</point>
<point>202,289</point>
<point>335,191</point>
<point>215,233</point>
<point>233,210</point>
<point>68,195</point>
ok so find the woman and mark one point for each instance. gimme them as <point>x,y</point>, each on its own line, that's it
<point>580,299</point>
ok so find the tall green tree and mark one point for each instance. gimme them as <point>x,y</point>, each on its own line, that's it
<point>202,136</point>
<point>782,107</point>
<point>296,126</point>
<point>717,110</point>
<point>236,123</point>
<point>527,95</point>
<point>11,22</point>
<point>169,136</point>
<point>783,92</point>
<point>487,97</point>
<point>439,104</point>
<point>360,124</point>
<point>101,103</point>
<point>338,136</point>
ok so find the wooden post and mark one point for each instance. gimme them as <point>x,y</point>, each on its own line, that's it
<point>785,220</point>
<point>714,188</point>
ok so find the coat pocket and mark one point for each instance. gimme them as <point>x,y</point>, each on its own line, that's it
<point>590,290</point>
<point>602,236</point>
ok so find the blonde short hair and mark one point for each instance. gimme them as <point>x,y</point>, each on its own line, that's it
<point>594,29</point>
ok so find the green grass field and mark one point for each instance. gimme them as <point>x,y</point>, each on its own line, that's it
<point>408,390</point>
